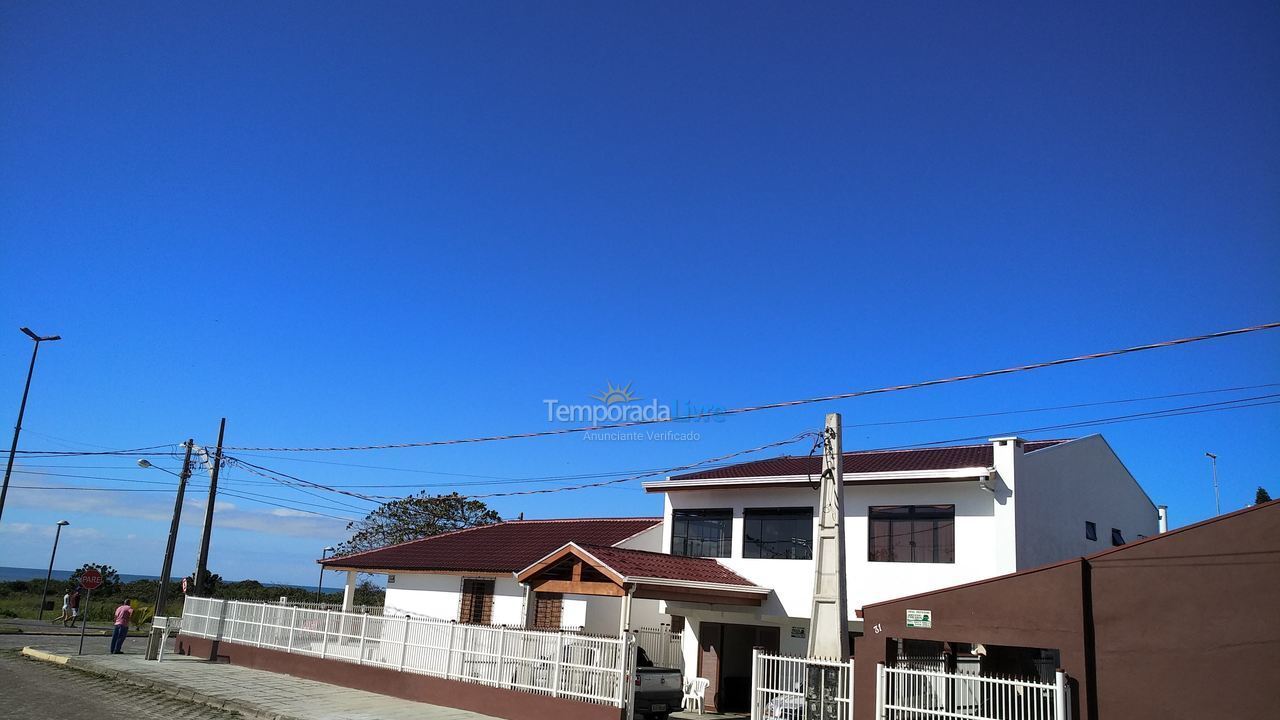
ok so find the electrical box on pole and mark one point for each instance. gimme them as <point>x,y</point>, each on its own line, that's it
<point>829,616</point>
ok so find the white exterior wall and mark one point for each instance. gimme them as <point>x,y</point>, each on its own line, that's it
<point>650,540</point>
<point>440,596</point>
<point>1063,486</point>
<point>508,603</point>
<point>573,611</point>
<point>435,596</point>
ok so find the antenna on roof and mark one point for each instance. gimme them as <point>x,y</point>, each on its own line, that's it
<point>521,517</point>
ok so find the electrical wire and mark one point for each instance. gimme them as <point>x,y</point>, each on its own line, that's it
<point>784,404</point>
<point>1237,404</point>
<point>681,468</point>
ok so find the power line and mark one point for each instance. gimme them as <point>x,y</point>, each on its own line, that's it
<point>785,404</point>
<point>504,480</point>
<point>1237,404</point>
<point>277,475</point>
<point>691,466</point>
<point>84,453</point>
<point>239,494</point>
<point>1117,419</point>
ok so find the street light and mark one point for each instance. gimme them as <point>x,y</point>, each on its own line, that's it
<point>1217,505</point>
<point>320,582</point>
<point>22,409</point>
<point>45,595</point>
<point>166,569</point>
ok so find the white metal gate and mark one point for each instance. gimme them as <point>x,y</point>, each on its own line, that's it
<point>782,687</point>
<point>915,694</point>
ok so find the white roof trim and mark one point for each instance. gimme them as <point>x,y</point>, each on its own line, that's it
<point>849,478</point>
<point>755,589</point>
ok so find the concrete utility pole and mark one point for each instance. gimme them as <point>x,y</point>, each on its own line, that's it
<point>22,409</point>
<point>153,647</point>
<point>829,618</point>
<point>202,563</point>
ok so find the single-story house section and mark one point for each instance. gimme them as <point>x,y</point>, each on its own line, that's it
<point>469,575</point>
<point>1178,626</point>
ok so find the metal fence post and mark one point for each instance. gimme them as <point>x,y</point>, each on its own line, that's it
<point>262,623</point>
<point>404,643</point>
<point>850,691</point>
<point>293,622</point>
<point>881,682</point>
<point>364,627</point>
<point>1060,699</point>
<point>555,669</point>
<point>448,656</point>
<point>502,651</point>
<point>630,674</point>
<point>324,642</point>
<point>755,682</point>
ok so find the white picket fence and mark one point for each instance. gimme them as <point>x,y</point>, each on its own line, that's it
<point>915,694</point>
<point>662,645</point>
<point>782,687</point>
<point>587,668</point>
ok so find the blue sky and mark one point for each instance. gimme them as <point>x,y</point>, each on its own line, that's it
<point>382,222</point>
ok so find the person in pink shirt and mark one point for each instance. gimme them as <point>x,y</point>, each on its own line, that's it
<point>121,630</point>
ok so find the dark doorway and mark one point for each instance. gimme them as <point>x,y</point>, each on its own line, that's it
<point>724,658</point>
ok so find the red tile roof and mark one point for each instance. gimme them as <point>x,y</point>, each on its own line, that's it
<point>909,460</point>
<point>644,564</point>
<point>501,548</point>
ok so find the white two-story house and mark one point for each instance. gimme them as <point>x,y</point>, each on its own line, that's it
<point>914,520</point>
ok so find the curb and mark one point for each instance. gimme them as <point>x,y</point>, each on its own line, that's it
<point>178,692</point>
<point>41,655</point>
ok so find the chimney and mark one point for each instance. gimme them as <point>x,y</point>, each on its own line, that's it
<point>1162,512</point>
<point>1006,459</point>
<point>1007,455</point>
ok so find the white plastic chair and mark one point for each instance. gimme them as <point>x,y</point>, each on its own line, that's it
<point>693,691</point>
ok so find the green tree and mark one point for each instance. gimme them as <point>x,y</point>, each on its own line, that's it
<point>212,581</point>
<point>413,518</point>
<point>1261,496</point>
<point>110,578</point>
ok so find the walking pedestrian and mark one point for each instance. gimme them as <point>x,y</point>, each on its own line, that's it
<point>121,630</point>
<point>75,605</point>
<point>66,609</point>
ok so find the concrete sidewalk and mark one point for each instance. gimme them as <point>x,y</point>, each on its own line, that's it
<point>252,693</point>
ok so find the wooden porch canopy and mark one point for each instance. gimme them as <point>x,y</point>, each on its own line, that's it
<point>618,572</point>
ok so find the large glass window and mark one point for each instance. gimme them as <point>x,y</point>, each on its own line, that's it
<point>778,533</point>
<point>702,533</point>
<point>912,533</point>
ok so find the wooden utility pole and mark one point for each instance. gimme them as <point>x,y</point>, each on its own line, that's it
<point>153,647</point>
<point>829,617</point>
<point>202,564</point>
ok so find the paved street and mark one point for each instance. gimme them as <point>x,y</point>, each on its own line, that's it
<point>69,644</point>
<point>41,690</point>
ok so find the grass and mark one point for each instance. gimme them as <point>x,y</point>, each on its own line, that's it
<point>21,599</point>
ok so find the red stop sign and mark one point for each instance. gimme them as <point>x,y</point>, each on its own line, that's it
<point>91,579</point>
